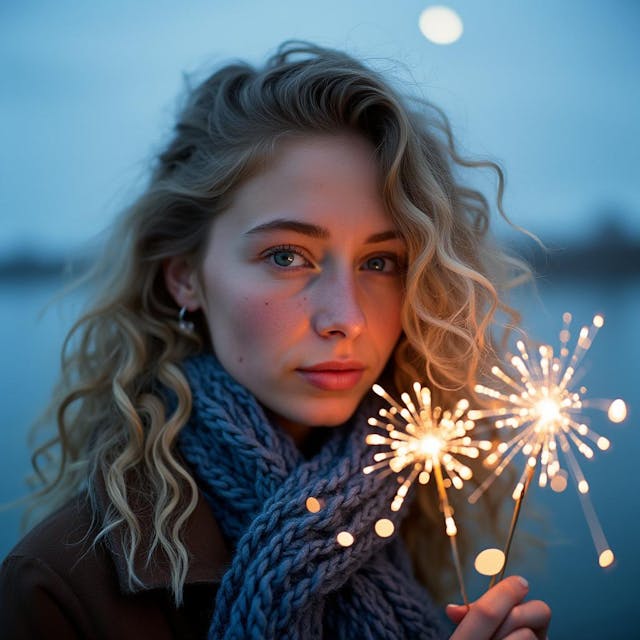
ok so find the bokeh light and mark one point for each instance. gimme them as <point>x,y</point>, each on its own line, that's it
<point>440,25</point>
<point>489,562</point>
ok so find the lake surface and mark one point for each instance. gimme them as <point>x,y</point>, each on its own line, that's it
<point>588,602</point>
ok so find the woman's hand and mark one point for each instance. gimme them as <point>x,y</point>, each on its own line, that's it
<point>501,614</point>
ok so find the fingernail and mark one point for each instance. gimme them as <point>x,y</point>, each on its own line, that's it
<point>523,582</point>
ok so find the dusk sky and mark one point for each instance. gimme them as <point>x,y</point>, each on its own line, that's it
<point>549,89</point>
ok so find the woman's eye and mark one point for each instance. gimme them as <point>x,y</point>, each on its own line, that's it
<point>376,264</point>
<point>381,263</point>
<point>287,258</point>
<point>284,258</point>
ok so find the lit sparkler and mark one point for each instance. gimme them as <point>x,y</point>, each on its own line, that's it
<point>544,410</point>
<point>426,440</point>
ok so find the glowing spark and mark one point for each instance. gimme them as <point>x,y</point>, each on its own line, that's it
<point>617,411</point>
<point>606,558</point>
<point>345,539</point>
<point>489,562</point>
<point>384,527</point>
<point>426,441</point>
<point>544,409</point>
<point>313,504</point>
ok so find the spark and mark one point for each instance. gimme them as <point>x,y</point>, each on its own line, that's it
<point>546,412</point>
<point>426,441</point>
<point>313,504</point>
<point>345,539</point>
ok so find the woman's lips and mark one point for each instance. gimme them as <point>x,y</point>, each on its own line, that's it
<point>333,376</point>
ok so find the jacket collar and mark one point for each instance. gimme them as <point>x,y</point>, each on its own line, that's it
<point>209,553</point>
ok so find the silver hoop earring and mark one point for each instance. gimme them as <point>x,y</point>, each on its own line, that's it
<point>185,325</point>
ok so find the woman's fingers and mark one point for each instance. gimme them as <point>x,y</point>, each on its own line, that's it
<point>534,615</point>
<point>456,612</point>
<point>500,614</point>
<point>522,634</point>
<point>487,614</point>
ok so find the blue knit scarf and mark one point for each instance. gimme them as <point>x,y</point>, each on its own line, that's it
<point>289,578</point>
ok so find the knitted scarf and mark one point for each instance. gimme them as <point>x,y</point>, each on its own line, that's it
<point>289,578</point>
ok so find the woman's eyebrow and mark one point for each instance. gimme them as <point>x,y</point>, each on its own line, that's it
<point>313,230</point>
<point>383,236</point>
<point>284,224</point>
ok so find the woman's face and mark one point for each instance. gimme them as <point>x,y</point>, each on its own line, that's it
<point>302,282</point>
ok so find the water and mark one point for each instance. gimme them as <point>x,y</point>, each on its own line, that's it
<point>588,602</point>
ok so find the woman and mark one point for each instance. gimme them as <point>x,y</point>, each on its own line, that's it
<point>302,237</point>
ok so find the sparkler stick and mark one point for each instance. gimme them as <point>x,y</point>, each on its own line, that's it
<point>545,412</point>
<point>426,439</point>
<point>512,527</point>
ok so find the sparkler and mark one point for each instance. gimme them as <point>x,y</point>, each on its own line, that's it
<point>426,440</point>
<point>545,412</point>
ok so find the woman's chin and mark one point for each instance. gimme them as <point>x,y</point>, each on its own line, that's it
<point>302,422</point>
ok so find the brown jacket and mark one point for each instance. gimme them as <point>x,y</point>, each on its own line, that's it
<point>54,584</point>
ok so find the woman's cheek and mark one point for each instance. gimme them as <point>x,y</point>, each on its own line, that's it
<point>262,322</point>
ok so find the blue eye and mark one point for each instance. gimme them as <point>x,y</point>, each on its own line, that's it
<point>376,264</point>
<point>283,258</point>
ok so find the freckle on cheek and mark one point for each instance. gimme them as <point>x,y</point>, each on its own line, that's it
<point>260,321</point>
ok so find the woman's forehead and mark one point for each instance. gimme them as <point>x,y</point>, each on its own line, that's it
<point>318,186</point>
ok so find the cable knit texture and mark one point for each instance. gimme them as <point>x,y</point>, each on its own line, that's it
<point>289,578</point>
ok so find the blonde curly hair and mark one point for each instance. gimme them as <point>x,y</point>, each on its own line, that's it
<point>112,423</point>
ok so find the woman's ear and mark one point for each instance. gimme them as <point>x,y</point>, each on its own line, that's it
<point>181,280</point>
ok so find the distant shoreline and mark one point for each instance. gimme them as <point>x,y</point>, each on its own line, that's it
<point>28,267</point>
<point>599,260</point>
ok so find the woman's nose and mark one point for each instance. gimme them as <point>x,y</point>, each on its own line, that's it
<point>338,309</point>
